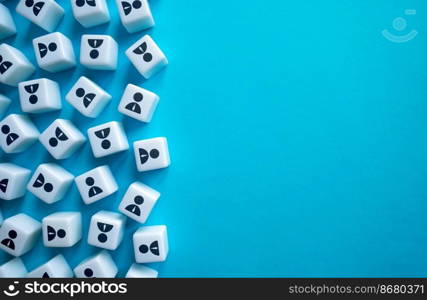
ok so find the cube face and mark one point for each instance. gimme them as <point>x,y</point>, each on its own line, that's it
<point>151,154</point>
<point>45,13</point>
<point>98,52</point>
<point>14,66</point>
<point>17,133</point>
<point>140,271</point>
<point>7,25</point>
<point>135,14</point>
<point>14,268</point>
<point>106,230</point>
<point>18,234</point>
<point>50,182</point>
<point>54,52</point>
<point>96,184</point>
<point>13,180</point>
<point>57,267</point>
<point>62,139</point>
<point>90,13</point>
<point>138,201</point>
<point>39,95</point>
<point>138,103</point>
<point>146,56</point>
<point>100,265</point>
<point>63,229</point>
<point>151,244</point>
<point>108,138</point>
<point>4,104</point>
<point>87,97</point>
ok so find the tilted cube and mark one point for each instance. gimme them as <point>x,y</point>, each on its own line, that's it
<point>107,138</point>
<point>39,95</point>
<point>98,52</point>
<point>62,229</point>
<point>90,13</point>
<point>45,13</point>
<point>141,271</point>
<point>135,14</point>
<point>96,184</point>
<point>151,154</point>
<point>106,229</point>
<point>150,244</point>
<point>100,265</point>
<point>13,180</point>
<point>14,66</point>
<point>138,103</point>
<point>17,133</point>
<point>57,267</point>
<point>14,268</point>
<point>7,25</point>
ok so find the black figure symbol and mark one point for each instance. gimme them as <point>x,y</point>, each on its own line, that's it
<point>141,50</point>
<point>144,155</point>
<point>3,185</point>
<point>81,3</point>
<point>127,7</point>
<point>52,233</point>
<point>4,65</point>
<point>154,248</point>
<point>37,7</point>
<point>10,137</point>
<point>94,190</point>
<point>94,43</point>
<point>43,49</point>
<point>40,182</point>
<point>134,208</point>
<point>59,135</point>
<point>87,98</point>
<point>104,227</point>
<point>103,134</point>
<point>88,272</point>
<point>8,242</point>
<point>134,106</point>
<point>45,275</point>
<point>32,89</point>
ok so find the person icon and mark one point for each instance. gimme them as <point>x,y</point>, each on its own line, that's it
<point>134,208</point>
<point>144,155</point>
<point>134,106</point>
<point>10,137</point>
<point>8,242</point>
<point>93,190</point>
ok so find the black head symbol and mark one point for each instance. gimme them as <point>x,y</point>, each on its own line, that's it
<point>37,6</point>
<point>153,248</point>
<point>40,182</point>
<point>103,227</point>
<point>3,185</point>
<point>134,208</point>
<point>4,65</point>
<point>87,98</point>
<point>134,106</point>
<point>88,272</point>
<point>10,136</point>
<point>103,134</point>
<point>141,50</point>
<point>43,49</point>
<point>59,136</point>
<point>94,43</point>
<point>8,242</point>
<point>144,155</point>
<point>81,3</point>
<point>93,190</point>
<point>32,89</point>
<point>52,233</point>
<point>127,7</point>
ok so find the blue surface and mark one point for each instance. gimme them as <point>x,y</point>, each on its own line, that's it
<point>298,138</point>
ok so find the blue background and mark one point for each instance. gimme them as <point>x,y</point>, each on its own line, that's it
<point>297,132</point>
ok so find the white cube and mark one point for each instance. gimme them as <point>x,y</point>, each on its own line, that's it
<point>50,182</point>
<point>7,25</point>
<point>96,184</point>
<point>141,271</point>
<point>107,138</point>
<point>87,97</point>
<point>100,265</point>
<point>39,95</point>
<point>57,267</point>
<point>106,230</point>
<point>90,13</point>
<point>62,139</point>
<point>138,103</point>
<point>13,180</point>
<point>14,66</point>
<point>151,154</point>
<point>98,52</point>
<point>47,13</point>
<point>62,229</point>
<point>4,104</point>
<point>18,234</point>
<point>146,56</point>
<point>135,14</point>
<point>54,52</point>
<point>17,134</point>
<point>150,244</point>
<point>138,201</point>
<point>14,268</point>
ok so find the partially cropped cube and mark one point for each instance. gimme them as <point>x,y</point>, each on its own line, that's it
<point>96,184</point>
<point>13,180</point>
<point>39,95</point>
<point>98,52</point>
<point>14,268</point>
<point>54,52</point>
<point>57,267</point>
<point>14,66</point>
<point>17,133</point>
<point>90,13</point>
<point>100,265</point>
<point>135,14</point>
<point>106,229</point>
<point>151,154</point>
<point>62,139</point>
<point>107,139</point>
<point>7,25</point>
<point>62,229</point>
<point>47,13</point>
<point>138,103</point>
<point>141,271</point>
<point>151,244</point>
